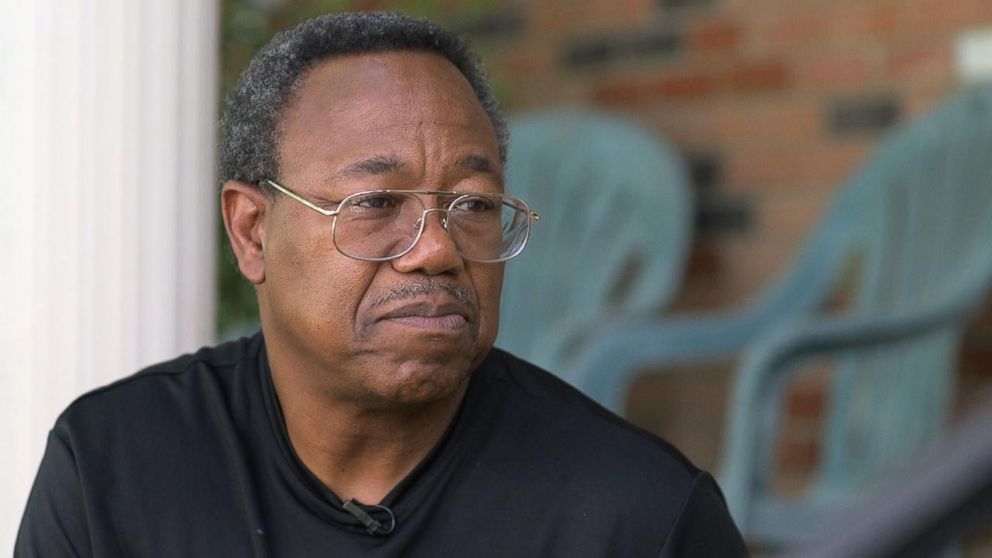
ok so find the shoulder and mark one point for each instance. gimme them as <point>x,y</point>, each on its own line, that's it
<point>164,392</point>
<point>556,405</point>
<point>578,435</point>
<point>578,452</point>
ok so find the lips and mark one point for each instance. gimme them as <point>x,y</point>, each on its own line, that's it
<point>446,316</point>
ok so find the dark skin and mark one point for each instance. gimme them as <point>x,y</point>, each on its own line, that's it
<point>368,377</point>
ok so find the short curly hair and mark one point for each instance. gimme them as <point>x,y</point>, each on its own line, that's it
<point>252,111</point>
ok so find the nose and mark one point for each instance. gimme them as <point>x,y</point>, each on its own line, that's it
<point>434,252</point>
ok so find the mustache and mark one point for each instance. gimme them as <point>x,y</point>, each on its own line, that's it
<point>424,287</point>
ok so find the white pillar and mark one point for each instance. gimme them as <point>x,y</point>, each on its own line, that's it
<point>107,212</point>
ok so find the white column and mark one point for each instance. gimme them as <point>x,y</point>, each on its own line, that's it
<point>107,212</point>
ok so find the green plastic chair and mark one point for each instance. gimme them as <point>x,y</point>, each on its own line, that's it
<point>917,224</point>
<point>614,233</point>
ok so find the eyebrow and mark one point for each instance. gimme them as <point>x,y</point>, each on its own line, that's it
<point>378,165</point>
<point>477,163</point>
<point>387,164</point>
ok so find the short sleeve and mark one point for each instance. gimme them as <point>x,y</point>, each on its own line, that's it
<point>704,527</point>
<point>54,522</point>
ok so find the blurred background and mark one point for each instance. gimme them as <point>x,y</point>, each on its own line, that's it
<point>116,257</point>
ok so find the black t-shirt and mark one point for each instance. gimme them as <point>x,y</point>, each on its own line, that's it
<point>191,458</point>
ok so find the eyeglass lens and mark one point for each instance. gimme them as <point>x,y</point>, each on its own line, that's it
<point>380,225</point>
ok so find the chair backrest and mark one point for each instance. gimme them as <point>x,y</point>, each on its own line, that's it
<point>916,222</point>
<point>922,238</point>
<point>615,228</point>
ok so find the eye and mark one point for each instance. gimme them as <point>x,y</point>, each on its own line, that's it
<point>376,201</point>
<point>476,204</point>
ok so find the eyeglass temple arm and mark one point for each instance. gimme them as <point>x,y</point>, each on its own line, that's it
<point>304,201</point>
<point>533,215</point>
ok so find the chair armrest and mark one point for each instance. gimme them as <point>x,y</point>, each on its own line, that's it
<point>605,369</point>
<point>616,354</point>
<point>772,360</point>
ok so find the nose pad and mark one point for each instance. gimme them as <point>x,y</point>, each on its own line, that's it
<point>433,251</point>
<point>443,218</point>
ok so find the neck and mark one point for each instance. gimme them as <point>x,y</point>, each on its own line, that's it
<point>358,450</point>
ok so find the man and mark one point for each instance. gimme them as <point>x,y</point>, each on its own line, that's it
<point>363,197</point>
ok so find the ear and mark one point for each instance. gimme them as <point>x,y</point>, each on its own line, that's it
<point>243,207</point>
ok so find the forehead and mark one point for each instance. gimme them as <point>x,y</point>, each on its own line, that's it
<point>405,104</point>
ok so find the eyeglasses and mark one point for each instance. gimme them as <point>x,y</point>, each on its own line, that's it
<point>381,225</point>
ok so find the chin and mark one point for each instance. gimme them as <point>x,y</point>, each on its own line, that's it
<point>418,381</point>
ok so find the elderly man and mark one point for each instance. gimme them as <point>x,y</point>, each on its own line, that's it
<point>363,197</point>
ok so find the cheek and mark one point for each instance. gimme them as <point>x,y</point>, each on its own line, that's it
<point>488,281</point>
<point>321,287</point>
<point>335,287</point>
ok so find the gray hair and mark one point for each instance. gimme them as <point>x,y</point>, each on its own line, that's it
<point>253,109</point>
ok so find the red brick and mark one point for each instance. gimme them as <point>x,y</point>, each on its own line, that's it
<point>764,166</point>
<point>886,20</point>
<point>798,454</point>
<point>808,402</point>
<point>832,70</point>
<point>758,77</point>
<point>685,86</point>
<point>794,214</point>
<point>802,31</point>
<point>921,62</point>
<point>704,259</point>
<point>531,59</point>
<point>632,90</point>
<point>751,263</point>
<point>922,97</point>
<point>978,341</point>
<point>714,36</point>
<point>684,404</point>
<point>835,163</point>
<point>584,16</point>
<point>790,161</point>
<point>626,92</point>
<point>743,125</point>
<point>959,14</point>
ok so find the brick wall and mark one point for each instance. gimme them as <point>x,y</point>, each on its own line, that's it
<point>774,103</point>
